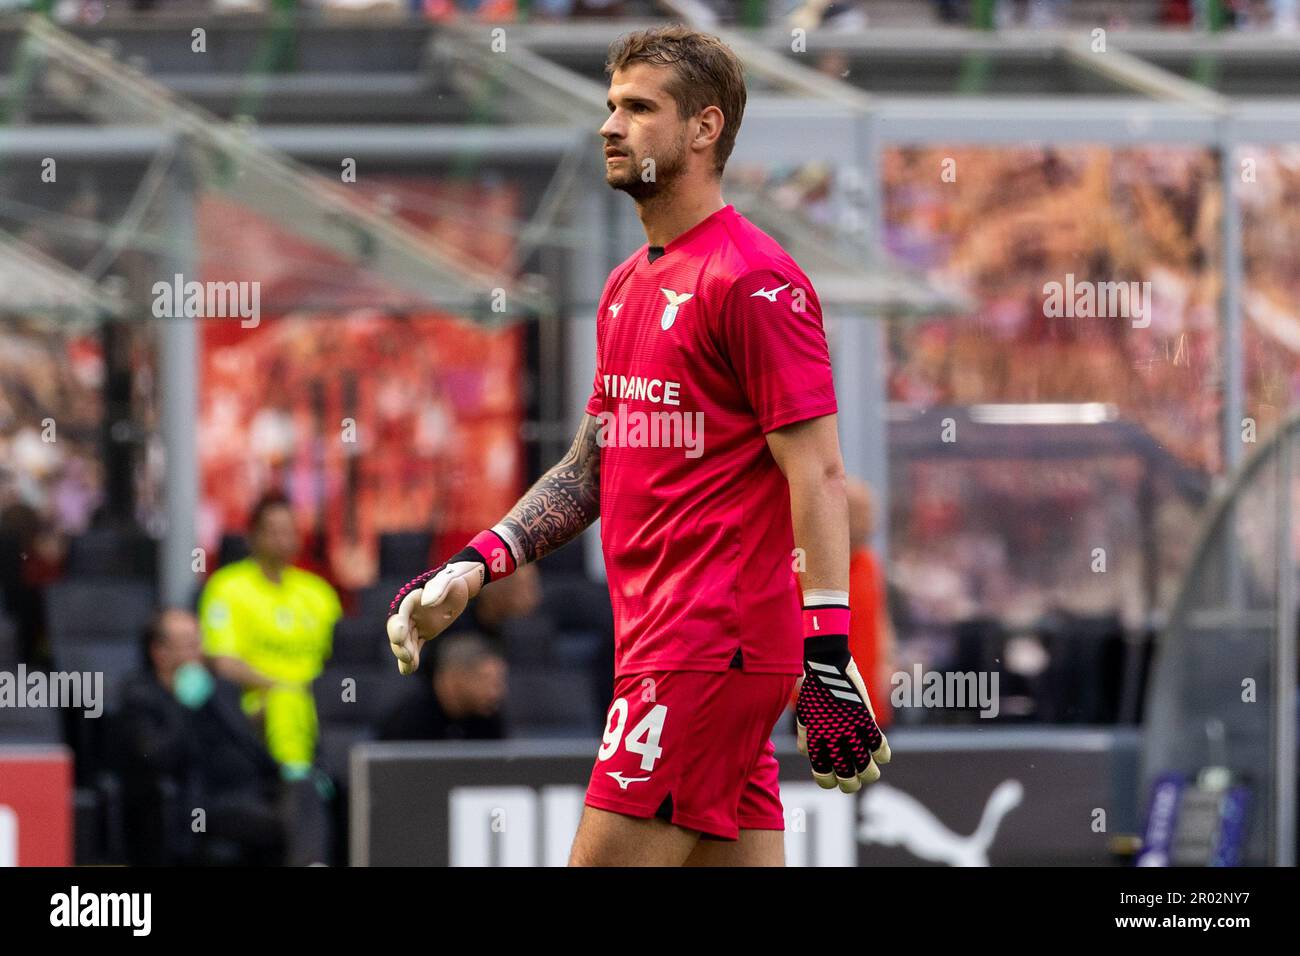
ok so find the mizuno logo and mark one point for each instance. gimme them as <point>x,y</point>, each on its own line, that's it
<point>770,296</point>
<point>670,310</point>
<point>615,307</point>
<point>624,781</point>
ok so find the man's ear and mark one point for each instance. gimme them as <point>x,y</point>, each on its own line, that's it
<point>710,126</point>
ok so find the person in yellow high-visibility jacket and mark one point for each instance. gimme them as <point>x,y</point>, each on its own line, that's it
<point>269,626</point>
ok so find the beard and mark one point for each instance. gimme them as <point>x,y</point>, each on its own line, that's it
<point>667,169</point>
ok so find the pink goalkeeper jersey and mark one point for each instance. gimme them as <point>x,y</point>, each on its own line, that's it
<point>698,355</point>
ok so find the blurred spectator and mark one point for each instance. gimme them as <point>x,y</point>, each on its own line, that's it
<point>185,747</point>
<point>268,627</point>
<point>949,11</point>
<point>31,556</point>
<point>238,6</point>
<point>1286,15</point>
<point>51,418</point>
<point>1029,13</point>
<point>493,11</point>
<point>843,16</point>
<point>871,636</point>
<point>836,15</point>
<point>551,9</point>
<point>460,699</point>
<point>599,8</point>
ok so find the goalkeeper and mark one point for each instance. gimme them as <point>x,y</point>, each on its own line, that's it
<point>710,452</point>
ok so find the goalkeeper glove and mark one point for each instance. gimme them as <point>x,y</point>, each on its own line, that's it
<point>836,725</point>
<point>425,606</point>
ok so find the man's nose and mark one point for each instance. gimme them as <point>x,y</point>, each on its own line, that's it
<point>612,129</point>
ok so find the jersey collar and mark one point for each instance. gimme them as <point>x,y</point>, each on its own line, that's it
<point>725,212</point>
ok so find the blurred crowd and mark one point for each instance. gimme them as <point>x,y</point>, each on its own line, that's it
<point>1016,219</point>
<point>1280,15</point>
<point>491,11</point>
<point>1013,221</point>
<point>47,462</point>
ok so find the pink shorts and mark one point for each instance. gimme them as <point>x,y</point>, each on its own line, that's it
<point>695,748</point>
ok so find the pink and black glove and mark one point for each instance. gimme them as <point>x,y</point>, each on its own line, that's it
<point>837,727</point>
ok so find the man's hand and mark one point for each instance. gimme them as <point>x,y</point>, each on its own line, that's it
<point>426,606</point>
<point>836,725</point>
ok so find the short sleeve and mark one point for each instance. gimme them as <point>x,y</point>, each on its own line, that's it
<point>596,404</point>
<point>770,329</point>
<point>217,619</point>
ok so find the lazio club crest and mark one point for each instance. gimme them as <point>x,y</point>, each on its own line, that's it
<point>670,310</point>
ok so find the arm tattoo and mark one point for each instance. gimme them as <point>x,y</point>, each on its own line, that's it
<point>562,503</point>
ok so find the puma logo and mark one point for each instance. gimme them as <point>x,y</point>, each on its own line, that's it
<point>670,310</point>
<point>891,817</point>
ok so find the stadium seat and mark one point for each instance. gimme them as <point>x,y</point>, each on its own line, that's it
<point>88,830</point>
<point>112,554</point>
<point>1139,652</point>
<point>1082,682</point>
<point>8,642</point>
<point>576,603</point>
<point>116,660</point>
<point>376,689</point>
<point>156,822</point>
<point>106,609</point>
<point>980,643</point>
<point>404,554</point>
<point>551,702</point>
<point>568,559</point>
<point>360,640</point>
<point>526,641</point>
<point>372,602</point>
<point>577,648</point>
<point>30,725</point>
<point>99,836</point>
<point>233,547</point>
<point>335,746</point>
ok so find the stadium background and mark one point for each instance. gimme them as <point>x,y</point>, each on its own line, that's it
<point>414,191</point>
